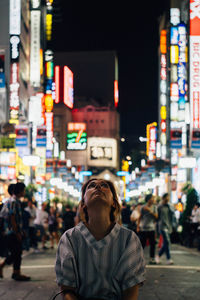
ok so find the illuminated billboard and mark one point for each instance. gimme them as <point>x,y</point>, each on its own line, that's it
<point>194,63</point>
<point>35,48</point>
<point>76,136</point>
<point>68,92</point>
<point>102,152</point>
<point>151,140</point>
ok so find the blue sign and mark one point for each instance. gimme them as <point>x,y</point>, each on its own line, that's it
<point>174,35</point>
<point>2,80</point>
<point>181,69</point>
<point>122,173</point>
<point>21,142</point>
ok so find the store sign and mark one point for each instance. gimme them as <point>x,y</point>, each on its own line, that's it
<point>49,128</point>
<point>76,136</point>
<point>195,140</point>
<point>14,90</point>
<point>68,97</point>
<point>116,93</point>
<point>195,63</point>
<point>35,110</point>
<point>174,35</point>
<point>15,17</point>
<point>151,130</point>
<point>174,16</point>
<point>7,158</point>
<point>14,48</point>
<point>57,83</point>
<point>21,132</point>
<point>35,4</point>
<point>41,138</point>
<point>174,92</point>
<point>102,152</point>
<point>176,138</point>
<point>174,54</point>
<point>35,48</point>
<point>163,42</point>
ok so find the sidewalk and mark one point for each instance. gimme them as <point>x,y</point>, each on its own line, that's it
<point>177,282</point>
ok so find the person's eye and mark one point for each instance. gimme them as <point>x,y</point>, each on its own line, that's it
<point>91,185</point>
<point>105,185</point>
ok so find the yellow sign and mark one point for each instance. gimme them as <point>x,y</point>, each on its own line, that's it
<point>163,112</point>
<point>174,54</point>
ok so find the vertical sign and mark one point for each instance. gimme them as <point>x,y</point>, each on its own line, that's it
<point>14,31</point>
<point>68,97</point>
<point>195,63</point>
<point>35,49</point>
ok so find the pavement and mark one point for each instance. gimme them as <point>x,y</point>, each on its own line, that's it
<point>180,281</point>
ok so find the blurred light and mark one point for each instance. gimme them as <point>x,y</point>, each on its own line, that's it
<point>143,162</point>
<point>69,163</point>
<point>128,157</point>
<point>122,139</point>
<point>130,163</point>
<point>107,176</point>
<point>142,139</point>
<point>62,155</point>
<point>55,181</point>
<point>137,170</point>
<point>187,162</point>
<point>31,160</point>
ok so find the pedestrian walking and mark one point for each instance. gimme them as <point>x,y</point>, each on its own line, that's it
<point>125,214</point>
<point>68,218</point>
<point>31,209</point>
<point>147,225</point>
<point>53,226</point>
<point>98,258</point>
<point>135,215</point>
<point>12,214</point>
<point>165,222</point>
<point>41,223</point>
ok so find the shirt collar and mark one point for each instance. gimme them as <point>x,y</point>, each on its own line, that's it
<point>90,239</point>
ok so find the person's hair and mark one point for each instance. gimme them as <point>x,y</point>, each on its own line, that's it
<point>19,187</point>
<point>115,211</point>
<point>148,197</point>
<point>11,189</point>
<point>164,196</point>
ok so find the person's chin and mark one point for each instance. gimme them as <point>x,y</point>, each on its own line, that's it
<point>98,200</point>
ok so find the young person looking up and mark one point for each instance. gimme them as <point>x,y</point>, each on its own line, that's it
<point>98,258</point>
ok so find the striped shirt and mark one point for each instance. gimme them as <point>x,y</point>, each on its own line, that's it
<point>101,268</point>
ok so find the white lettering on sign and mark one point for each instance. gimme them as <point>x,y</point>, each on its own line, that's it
<point>15,17</point>
<point>14,44</point>
<point>195,9</point>
<point>195,80</point>
<point>14,87</point>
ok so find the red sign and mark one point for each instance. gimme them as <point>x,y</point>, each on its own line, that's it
<point>68,96</point>
<point>194,17</point>
<point>116,93</point>
<point>195,62</point>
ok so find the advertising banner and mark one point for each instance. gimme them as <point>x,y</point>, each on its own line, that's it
<point>102,152</point>
<point>35,48</point>
<point>195,63</point>
<point>176,138</point>
<point>21,132</point>
<point>41,138</point>
<point>76,136</point>
<point>195,140</point>
<point>68,98</point>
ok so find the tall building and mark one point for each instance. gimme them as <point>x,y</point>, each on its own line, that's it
<point>179,104</point>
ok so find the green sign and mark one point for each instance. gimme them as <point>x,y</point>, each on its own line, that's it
<point>76,141</point>
<point>6,142</point>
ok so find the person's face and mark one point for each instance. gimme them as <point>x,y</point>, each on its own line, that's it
<point>98,191</point>
<point>151,200</point>
<point>166,200</point>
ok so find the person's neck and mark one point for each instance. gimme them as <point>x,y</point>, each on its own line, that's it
<point>99,223</point>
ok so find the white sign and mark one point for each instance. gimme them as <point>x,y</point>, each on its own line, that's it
<point>15,17</point>
<point>102,152</point>
<point>35,49</point>
<point>35,110</point>
<point>35,4</point>
<point>14,45</point>
<point>14,87</point>
<point>31,160</point>
<point>187,162</point>
<point>195,80</point>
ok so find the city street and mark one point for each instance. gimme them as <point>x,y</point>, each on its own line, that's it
<point>180,281</point>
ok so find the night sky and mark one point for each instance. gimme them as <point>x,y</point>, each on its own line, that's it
<point>131,29</point>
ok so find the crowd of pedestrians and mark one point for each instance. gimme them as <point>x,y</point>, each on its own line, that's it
<point>157,225</point>
<point>25,226</point>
